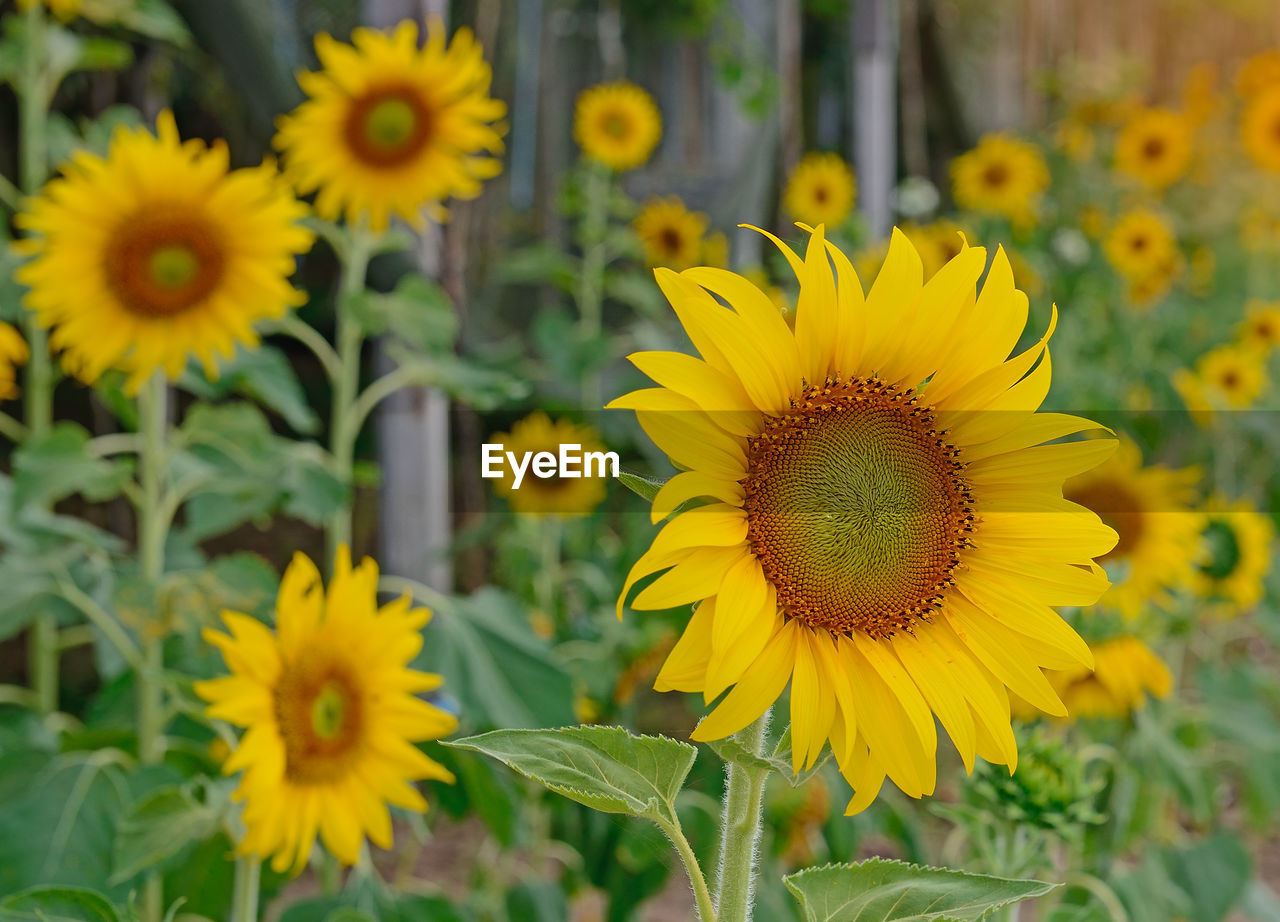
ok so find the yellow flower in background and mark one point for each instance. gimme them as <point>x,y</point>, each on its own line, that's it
<point>1260,129</point>
<point>13,352</point>
<point>1155,147</point>
<point>715,250</point>
<point>1074,139</point>
<point>1260,329</point>
<point>672,235</point>
<point>821,190</point>
<point>158,253</point>
<point>1150,509</point>
<point>617,124</point>
<point>1092,221</point>
<point>1200,97</point>
<point>330,713</point>
<point>1125,674</point>
<point>1258,73</point>
<point>1202,267</point>
<point>552,495</point>
<point>1239,539</point>
<point>937,243</point>
<point>393,129</point>
<point>1141,244</point>
<point>1233,377</point>
<point>66,10</point>
<point>1003,175</point>
<point>1259,230</point>
<point>890,547</point>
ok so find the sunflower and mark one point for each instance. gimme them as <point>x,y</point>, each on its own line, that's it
<point>617,124</point>
<point>551,495</point>
<point>1239,539</point>
<point>157,253</point>
<point>1234,377</point>
<point>715,250</point>
<point>1003,175</point>
<point>821,190</point>
<point>1151,510</point>
<point>1141,244</point>
<point>1260,129</point>
<point>672,235</point>
<point>330,713</point>
<point>888,546</point>
<point>391,128</point>
<point>1155,147</point>
<point>13,352</point>
<point>1126,671</point>
<point>1260,328</point>
<point>1258,73</point>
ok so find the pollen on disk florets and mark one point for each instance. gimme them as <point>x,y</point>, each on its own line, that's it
<point>857,507</point>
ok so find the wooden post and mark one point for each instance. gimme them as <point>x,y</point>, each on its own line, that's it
<point>413,425</point>
<point>875,93</point>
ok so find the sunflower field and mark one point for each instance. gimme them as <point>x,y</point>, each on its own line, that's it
<point>611,461</point>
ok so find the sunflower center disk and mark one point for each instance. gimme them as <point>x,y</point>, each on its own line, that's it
<point>1224,550</point>
<point>388,128</point>
<point>163,261</point>
<point>319,714</point>
<point>856,508</point>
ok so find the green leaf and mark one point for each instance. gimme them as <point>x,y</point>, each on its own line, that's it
<point>58,827</point>
<point>539,264</point>
<point>154,19</point>
<point>877,890</point>
<point>264,375</point>
<point>418,312</point>
<point>605,768</point>
<point>57,464</point>
<point>160,827</point>
<point>58,904</point>
<point>504,675</point>
<point>641,486</point>
<point>1213,873</point>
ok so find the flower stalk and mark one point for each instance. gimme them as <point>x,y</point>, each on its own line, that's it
<point>33,100</point>
<point>741,827</point>
<point>152,532</point>
<point>344,422</point>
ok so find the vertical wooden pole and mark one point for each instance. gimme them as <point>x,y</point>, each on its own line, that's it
<point>413,426</point>
<point>875,111</point>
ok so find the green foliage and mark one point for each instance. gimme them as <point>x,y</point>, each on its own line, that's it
<point>57,904</point>
<point>605,768</point>
<point>162,826</point>
<point>491,659</point>
<point>417,312</point>
<point>264,375</point>
<point>893,891</point>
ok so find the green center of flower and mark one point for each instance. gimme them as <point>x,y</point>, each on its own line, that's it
<point>388,127</point>
<point>164,260</point>
<point>173,265</point>
<point>327,712</point>
<point>320,716</point>
<point>390,123</point>
<point>1224,550</point>
<point>615,125</point>
<point>856,508</point>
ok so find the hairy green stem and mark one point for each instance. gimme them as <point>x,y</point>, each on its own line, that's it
<point>740,830</point>
<point>244,894</point>
<point>701,895</point>
<point>154,424</point>
<point>344,426</point>
<point>595,223</point>
<point>37,392</point>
